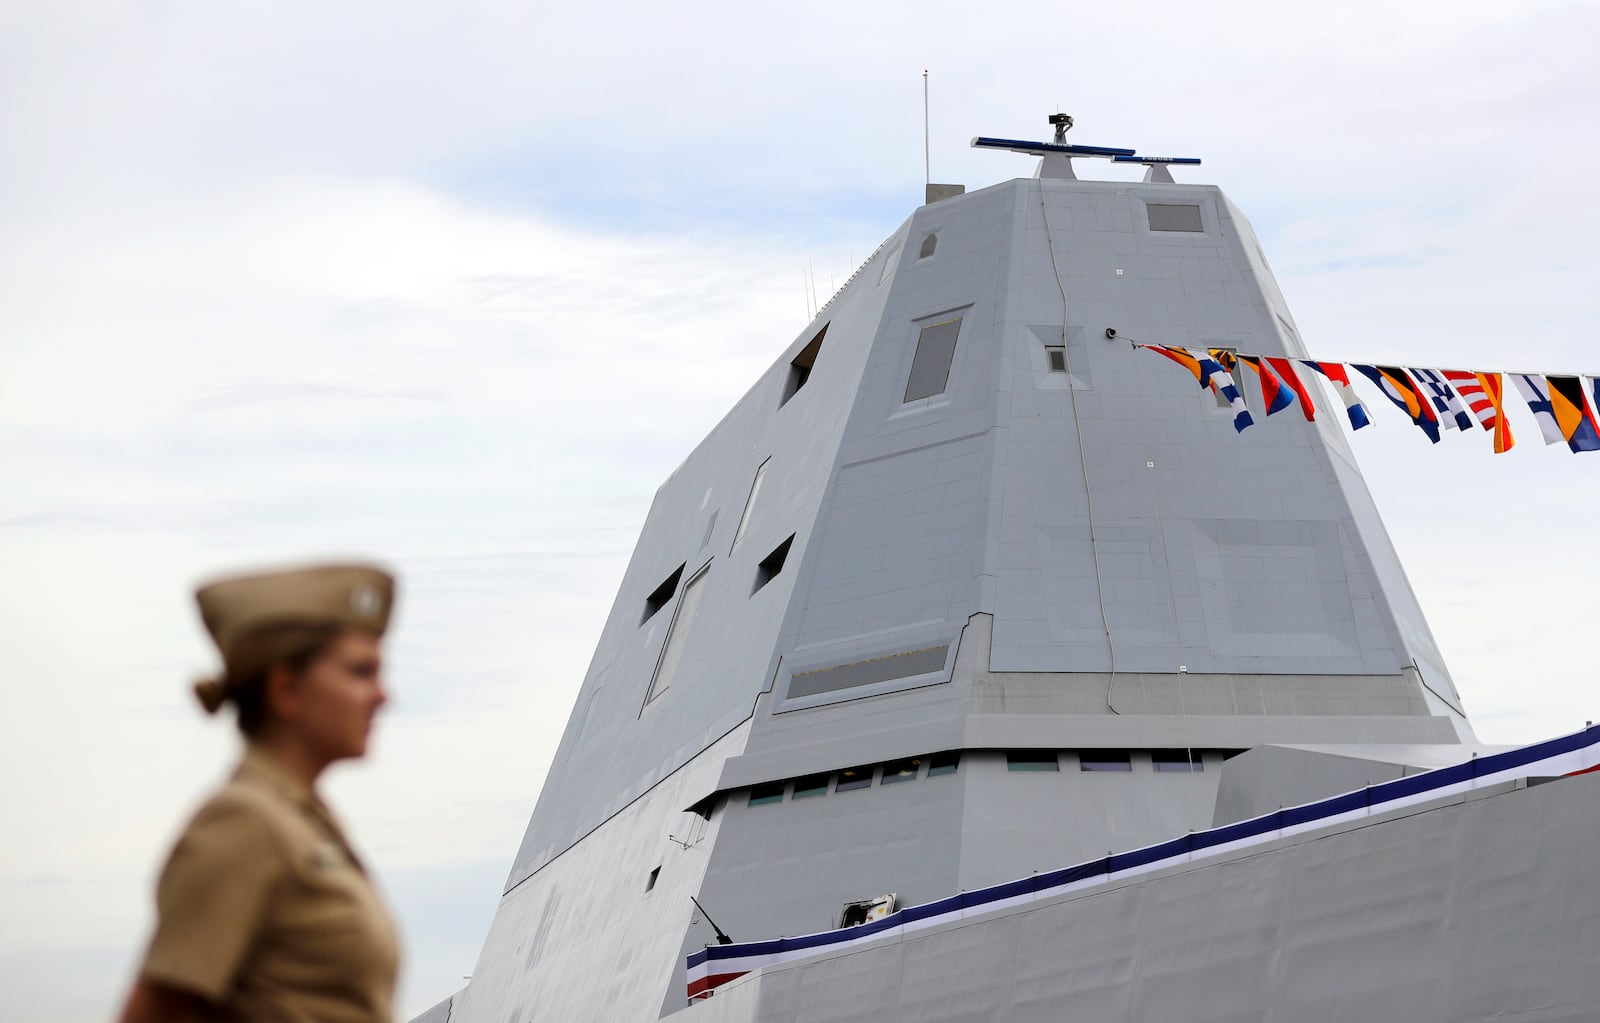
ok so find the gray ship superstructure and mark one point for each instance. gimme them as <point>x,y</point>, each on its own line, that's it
<point>966,589</point>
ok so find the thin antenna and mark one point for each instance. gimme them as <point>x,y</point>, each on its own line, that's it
<point>722,939</point>
<point>813,273</point>
<point>927,163</point>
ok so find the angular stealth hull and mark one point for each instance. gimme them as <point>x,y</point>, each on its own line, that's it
<point>964,590</point>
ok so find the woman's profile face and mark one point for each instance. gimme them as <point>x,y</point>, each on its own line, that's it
<point>339,695</point>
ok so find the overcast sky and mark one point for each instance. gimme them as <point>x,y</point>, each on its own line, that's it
<point>457,285</point>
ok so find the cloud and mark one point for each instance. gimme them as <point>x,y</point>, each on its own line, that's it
<point>460,285</point>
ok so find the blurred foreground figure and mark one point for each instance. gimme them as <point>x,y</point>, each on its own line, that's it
<point>264,911</point>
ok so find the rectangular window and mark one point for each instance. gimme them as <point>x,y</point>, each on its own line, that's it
<point>1105,760</point>
<point>812,785</point>
<point>800,366</point>
<point>1180,760</point>
<point>944,763</point>
<point>767,792</point>
<point>672,649</point>
<point>661,595</point>
<point>1174,217</point>
<point>900,770</point>
<point>1032,760</point>
<point>772,564</point>
<point>650,882</point>
<point>930,367</point>
<point>749,505</point>
<point>854,778</point>
<point>1056,357</point>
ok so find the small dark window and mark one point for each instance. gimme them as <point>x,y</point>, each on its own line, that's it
<point>811,785</point>
<point>800,366</point>
<point>867,910</point>
<point>900,770</point>
<point>1032,760</point>
<point>930,366</point>
<point>1105,760</point>
<point>650,882</point>
<point>929,244</point>
<point>766,792</point>
<point>1180,760</point>
<point>1174,217</point>
<point>1056,356</point>
<point>854,778</point>
<point>855,914</point>
<point>772,564</point>
<point>943,763</point>
<point>661,595</point>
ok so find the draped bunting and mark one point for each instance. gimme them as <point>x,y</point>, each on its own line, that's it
<point>1564,405</point>
<point>711,967</point>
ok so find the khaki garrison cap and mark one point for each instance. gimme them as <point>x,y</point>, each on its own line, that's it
<point>358,596</point>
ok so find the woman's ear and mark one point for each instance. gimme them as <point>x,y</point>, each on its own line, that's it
<point>284,698</point>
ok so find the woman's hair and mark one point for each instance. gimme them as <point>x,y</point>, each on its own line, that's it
<point>252,658</point>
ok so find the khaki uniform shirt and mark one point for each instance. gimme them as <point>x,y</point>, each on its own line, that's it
<point>264,910</point>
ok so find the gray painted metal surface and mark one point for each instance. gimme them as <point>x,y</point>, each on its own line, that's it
<point>1481,907</point>
<point>994,557</point>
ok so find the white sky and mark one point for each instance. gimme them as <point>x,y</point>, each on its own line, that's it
<point>457,285</point>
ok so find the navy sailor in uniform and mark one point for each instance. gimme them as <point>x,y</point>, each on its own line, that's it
<point>264,910</point>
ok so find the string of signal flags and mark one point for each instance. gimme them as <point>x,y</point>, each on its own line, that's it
<point>1433,399</point>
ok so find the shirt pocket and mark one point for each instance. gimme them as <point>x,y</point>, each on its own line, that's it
<point>333,923</point>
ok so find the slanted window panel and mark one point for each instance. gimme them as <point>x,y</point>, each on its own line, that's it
<point>1033,760</point>
<point>768,792</point>
<point>650,882</point>
<point>672,650</point>
<point>1056,357</point>
<point>812,785</point>
<point>1178,760</point>
<point>930,367</point>
<point>854,778</point>
<point>661,595</point>
<point>1105,760</point>
<point>943,763</point>
<point>1173,217</point>
<point>800,366</point>
<point>772,564</point>
<point>930,244</point>
<point>900,770</point>
<point>749,504</point>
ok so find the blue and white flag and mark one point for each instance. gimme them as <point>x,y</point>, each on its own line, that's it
<point>1537,394</point>
<point>1452,412</point>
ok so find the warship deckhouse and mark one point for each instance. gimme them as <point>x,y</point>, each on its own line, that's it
<point>965,589</point>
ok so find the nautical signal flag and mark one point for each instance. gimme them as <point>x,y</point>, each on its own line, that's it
<point>1573,414</point>
<point>1230,388</point>
<point>1399,388</point>
<point>1452,415</point>
<point>1484,394</point>
<point>1274,395</point>
<point>1433,399</point>
<point>1537,395</point>
<point>1188,360</point>
<point>1209,372</point>
<point>1340,380</point>
<point>1285,370</point>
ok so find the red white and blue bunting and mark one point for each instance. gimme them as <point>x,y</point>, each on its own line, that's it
<point>1578,753</point>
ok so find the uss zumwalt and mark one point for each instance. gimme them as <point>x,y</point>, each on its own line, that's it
<point>973,668</point>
